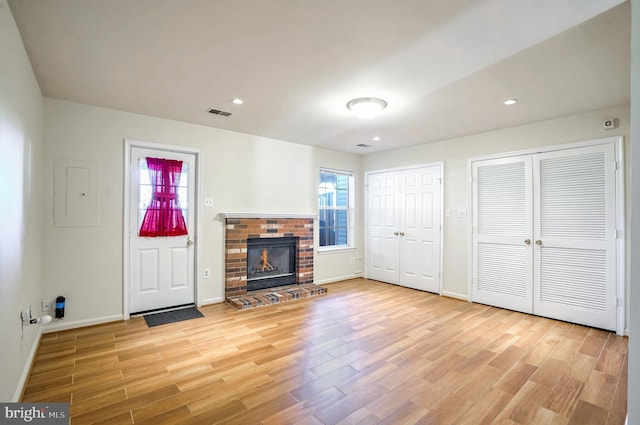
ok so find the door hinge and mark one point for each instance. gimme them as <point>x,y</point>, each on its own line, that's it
<point>617,165</point>
<point>618,234</point>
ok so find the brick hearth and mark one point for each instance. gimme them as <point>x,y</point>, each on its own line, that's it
<point>239,229</point>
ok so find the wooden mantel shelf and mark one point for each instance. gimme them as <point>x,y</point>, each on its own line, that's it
<point>267,215</point>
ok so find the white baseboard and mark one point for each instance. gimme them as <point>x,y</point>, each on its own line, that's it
<point>456,295</point>
<point>337,279</point>
<point>62,325</point>
<point>208,301</point>
<point>27,366</point>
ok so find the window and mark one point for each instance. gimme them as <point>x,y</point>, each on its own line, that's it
<point>162,207</point>
<point>335,202</point>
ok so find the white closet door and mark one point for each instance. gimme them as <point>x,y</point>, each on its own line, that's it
<point>383,221</point>
<point>502,233</point>
<point>574,232</point>
<point>420,232</point>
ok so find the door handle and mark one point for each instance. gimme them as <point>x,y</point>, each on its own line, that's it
<point>527,241</point>
<point>396,233</point>
<point>189,241</point>
<point>401,233</point>
<point>539,242</point>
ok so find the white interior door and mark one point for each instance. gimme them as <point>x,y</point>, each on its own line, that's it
<point>502,233</point>
<point>383,221</point>
<point>420,229</point>
<point>404,231</point>
<point>575,235</point>
<point>161,269</point>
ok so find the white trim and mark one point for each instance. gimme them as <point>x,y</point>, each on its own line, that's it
<point>334,249</point>
<point>366,217</point>
<point>27,366</point>
<point>621,289</point>
<point>197,152</point>
<point>208,301</point>
<point>455,295</point>
<point>470,229</point>
<point>267,215</point>
<point>403,168</point>
<point>336,171</point>
<point>543,149</point>
<point>618,142</point>
<point>338,279</point>
<point>62,325</point>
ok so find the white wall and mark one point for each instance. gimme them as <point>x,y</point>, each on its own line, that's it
<point>20,194</point>
<point>455,153</point>
<point>242,173</point>
<point>634,325</point>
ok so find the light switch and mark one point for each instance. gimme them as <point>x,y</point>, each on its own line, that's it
<point>462,213</point>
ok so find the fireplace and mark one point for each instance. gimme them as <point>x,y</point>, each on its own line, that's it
<point>241,229</point>
<point>271,262</point>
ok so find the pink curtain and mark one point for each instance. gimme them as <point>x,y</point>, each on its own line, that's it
<point>164,215</point>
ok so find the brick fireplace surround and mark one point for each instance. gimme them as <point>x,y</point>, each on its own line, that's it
<point>239,228</point>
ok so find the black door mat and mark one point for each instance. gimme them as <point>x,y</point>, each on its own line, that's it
<point>173,316</point>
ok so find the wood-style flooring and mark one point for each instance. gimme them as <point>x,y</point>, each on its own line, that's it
<point>365,353</point>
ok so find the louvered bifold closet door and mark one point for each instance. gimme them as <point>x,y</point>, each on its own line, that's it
<point>574,232</point>
<point>502,232</point>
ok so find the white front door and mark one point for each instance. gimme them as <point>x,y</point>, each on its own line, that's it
<point>161,268</point>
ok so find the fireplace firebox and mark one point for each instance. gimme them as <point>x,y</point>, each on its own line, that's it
<point>271,262</point>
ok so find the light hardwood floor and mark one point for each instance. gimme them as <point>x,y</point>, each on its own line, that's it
<point>366,353</point>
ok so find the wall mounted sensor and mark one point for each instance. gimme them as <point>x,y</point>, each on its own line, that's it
<point>610,123</point>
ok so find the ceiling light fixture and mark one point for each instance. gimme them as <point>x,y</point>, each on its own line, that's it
<point>366,107</point>
<point>375,138</point>
<point>510,101</point>
<point>237,101</point>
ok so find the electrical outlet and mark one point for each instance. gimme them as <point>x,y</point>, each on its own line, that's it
<point>352,260</point>
<point>206,273</point>
<point>46,305</point>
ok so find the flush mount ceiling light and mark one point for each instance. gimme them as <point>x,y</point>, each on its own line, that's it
<point>366,107</point>
<point>510,101</point>
<point>237,101</point>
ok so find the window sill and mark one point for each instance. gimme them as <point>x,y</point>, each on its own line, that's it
<point>335,249</point>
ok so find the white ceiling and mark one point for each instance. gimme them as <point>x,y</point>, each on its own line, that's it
<point>443,66</point>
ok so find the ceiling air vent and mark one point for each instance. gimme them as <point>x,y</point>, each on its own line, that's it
<point>219,112</point>
<point>363,145</point>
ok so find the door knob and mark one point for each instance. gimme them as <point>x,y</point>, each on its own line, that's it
<point>396,233</point>
<point>527,241</point>
<point>189,241</point>
<point>401,233</point>
<point>539,242</point>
